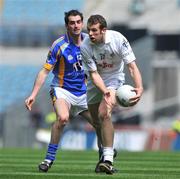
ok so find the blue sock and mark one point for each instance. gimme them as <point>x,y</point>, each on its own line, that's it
<point>51,152</point>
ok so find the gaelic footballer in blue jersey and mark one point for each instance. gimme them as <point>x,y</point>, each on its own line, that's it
<point>68,89</point>
<point>64,58</point>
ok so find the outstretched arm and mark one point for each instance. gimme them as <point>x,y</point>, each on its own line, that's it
<point>40,79</point>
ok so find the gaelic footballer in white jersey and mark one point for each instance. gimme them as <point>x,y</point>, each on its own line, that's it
<point>108,58</point>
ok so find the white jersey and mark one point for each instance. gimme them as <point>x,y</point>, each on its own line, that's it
<point>108,58</point>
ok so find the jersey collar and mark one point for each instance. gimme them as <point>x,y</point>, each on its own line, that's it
<point>69,38</point>
<point>107,37</point>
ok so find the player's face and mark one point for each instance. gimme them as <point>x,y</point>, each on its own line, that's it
<point>96,34</point>
<point>75,25</point>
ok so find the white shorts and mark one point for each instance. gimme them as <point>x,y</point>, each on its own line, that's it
<point>94,95</point>
<point>77,104</point>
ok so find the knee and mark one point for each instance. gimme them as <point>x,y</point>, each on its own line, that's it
<point>63,120</point>
<point>104,115</point>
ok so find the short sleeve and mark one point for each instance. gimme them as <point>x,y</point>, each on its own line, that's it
<point>126,51</point>
<point>87,59</point>
<point>51,60</point>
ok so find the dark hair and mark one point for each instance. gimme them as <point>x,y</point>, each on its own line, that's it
<point>72,13</point>
<point>95,19</point>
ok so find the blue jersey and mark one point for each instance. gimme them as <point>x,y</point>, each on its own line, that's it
<point>65,61</point>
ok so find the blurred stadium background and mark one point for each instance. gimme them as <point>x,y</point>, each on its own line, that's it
<point>27,30</point>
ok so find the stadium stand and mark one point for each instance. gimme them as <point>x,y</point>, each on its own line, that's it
<point>33,23</point>
<point>144,58</point>
<point>16,83</point>
<point>154,16</point>
<point>33,12</point>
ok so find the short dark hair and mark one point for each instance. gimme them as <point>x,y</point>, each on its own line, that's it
<point>72,12</point>
<point>95,19</point>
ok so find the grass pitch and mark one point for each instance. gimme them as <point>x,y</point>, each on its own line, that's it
<point>22,164</point>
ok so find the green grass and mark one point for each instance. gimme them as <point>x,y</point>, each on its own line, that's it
<point>22,164</point>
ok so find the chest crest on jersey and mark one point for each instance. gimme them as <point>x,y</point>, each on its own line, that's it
<point>70,57</point>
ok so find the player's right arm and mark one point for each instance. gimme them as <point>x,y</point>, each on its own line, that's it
<point>91,67</point>
<point>40,79</point>
<point>43,73</point>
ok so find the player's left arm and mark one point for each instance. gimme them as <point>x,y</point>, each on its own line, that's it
<point>137,78</point>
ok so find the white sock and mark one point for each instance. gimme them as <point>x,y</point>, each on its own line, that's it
<point>108,153</point>
<point>49,161</point>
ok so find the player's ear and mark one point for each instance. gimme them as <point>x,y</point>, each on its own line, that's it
<point>103,30</point>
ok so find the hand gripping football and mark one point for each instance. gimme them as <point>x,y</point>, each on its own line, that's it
<point>123,94</point>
